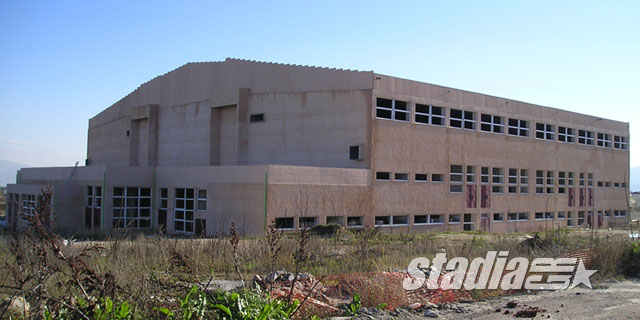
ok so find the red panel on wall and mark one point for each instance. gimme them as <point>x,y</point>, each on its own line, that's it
<point>472,194</point>
<point>582,196</point>
<point>572,197</point>
<point>485,200</point>
<point>590,197</point>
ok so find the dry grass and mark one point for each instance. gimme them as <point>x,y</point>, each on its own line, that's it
<point>155,271</point>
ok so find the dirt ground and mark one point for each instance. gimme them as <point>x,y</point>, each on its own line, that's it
<point>610,300</point>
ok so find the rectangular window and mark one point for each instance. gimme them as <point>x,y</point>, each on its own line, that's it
<point>339,220</point>
<point>616,185</point>
<point>590,179</point>
<point>354,222</point>
<point>518,127</point>
<point>620,142</point>
<point>421,177</point>
<point>544,216</point>
<point>562,182</point>
<point>93,208</point>
<point>581,181</point>
<point>307,222</point>
<point>607,213</point>
<point>355,153</point>
<point>604,140</point>
<point>550,182</point>
<point>607,184</point>
<point>570,219</point>
<point>585,137</point>
<point>428,114</point>
<point>183,212</point>
<point>513,180</point>
<point>513,176</point>
<point>400,220</point>
<point>28,205</point>
<point>561,215</point>
<point>539,181</point>
<point>392,109</point>
<point>462,119</point>
<point>484,175</point>
<point>491,123</point>
<point>580,217</point>
<point>383,221</point>
<point>256,117</point>
<point>567,135</point>
<point>497,179</point>
<point>524,181</point>
<point>383,176</point>
<point>454,219</point>
<point>455,178</point>
<point>428,219</point>
<point>437,177</point>
<point>471,174</point>
<point>420,219</point>
<point>570,174</point>
<point>284,223</point>
<point>402,177</point>
<point>545,131</point>
<point>202,200</point>
<point>436,219</point>
<point>498,217</point>
<point>131,207</point>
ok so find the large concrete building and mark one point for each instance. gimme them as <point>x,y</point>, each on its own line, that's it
<point>249,142</point>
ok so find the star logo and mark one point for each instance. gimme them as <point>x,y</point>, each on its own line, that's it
<point>582,276</point>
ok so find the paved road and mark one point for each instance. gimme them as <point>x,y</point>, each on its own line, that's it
<point>612,300</point>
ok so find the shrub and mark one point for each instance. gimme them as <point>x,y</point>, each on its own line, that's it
<point>631,260</point>
<point>325,229</point>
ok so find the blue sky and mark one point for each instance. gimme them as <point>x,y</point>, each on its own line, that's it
<point>62,62</point>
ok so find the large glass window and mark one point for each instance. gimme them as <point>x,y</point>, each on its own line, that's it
<point>93,207</point>
<point>184,210</point>
<point>131,207</point>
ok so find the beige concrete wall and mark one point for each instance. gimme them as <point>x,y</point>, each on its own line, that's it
<point>308,128</point>
<point>325,107</point>
<point>408,147</point>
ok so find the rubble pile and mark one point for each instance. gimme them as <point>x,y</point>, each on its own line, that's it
<point>383,289</point>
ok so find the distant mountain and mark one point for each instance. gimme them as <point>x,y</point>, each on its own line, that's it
<point>8,171</point>
<point>634,181</point>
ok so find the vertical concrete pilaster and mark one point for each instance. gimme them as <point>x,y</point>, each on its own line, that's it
<point>242,136</point>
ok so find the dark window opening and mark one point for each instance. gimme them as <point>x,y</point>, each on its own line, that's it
<point>354,153</point>
<point>284,223</point>
<point>257,117</point>
<point>383,176</point>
